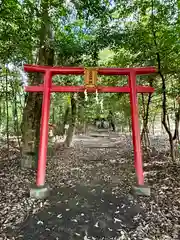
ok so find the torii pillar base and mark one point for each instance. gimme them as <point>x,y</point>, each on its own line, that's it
<point>141,190</point>
<point>41,192</point>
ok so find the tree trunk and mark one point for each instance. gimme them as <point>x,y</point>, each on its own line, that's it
<point>176,131</point>
<point>165,116</point>
<point>72,123</point>
<point>53,115</point>
<point>168,122</point>
<point>129,126</point>
<point>15,115</point>
<point>164,121</point>
<point>177,120</point>
<point>85,127</point>
<point>145,131</point>
<point>164,96</point>
<point>65,120</point>
<point>153,123</point>
<point>60,129</point>
<point>28,131</point>
<point>7,114</point>
<point>162,127</point>
<point>32,110</point>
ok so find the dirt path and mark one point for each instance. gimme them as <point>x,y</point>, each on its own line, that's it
<point>90,197</point>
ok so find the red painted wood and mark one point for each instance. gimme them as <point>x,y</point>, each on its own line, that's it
<point>125,89</point>
<point>47,88</point>
<point>80,70</point>
<point>136,129</point>
<point>41,171</point>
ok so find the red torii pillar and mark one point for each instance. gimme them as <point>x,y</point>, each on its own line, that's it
<point>47,88</point>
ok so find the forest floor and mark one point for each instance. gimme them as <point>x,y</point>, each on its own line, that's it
<point>90,196</point>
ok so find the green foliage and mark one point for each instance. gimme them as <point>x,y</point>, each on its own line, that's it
<point>103,33</point>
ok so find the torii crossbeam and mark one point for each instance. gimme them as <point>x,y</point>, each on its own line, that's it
<point>91,77</point>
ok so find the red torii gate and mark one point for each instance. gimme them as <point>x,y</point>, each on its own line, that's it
<point>90,86</point>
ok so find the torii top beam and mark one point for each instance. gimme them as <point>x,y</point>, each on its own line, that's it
<point>80,70</point>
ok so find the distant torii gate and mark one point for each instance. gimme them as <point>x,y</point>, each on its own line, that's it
<point>91,78</point>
